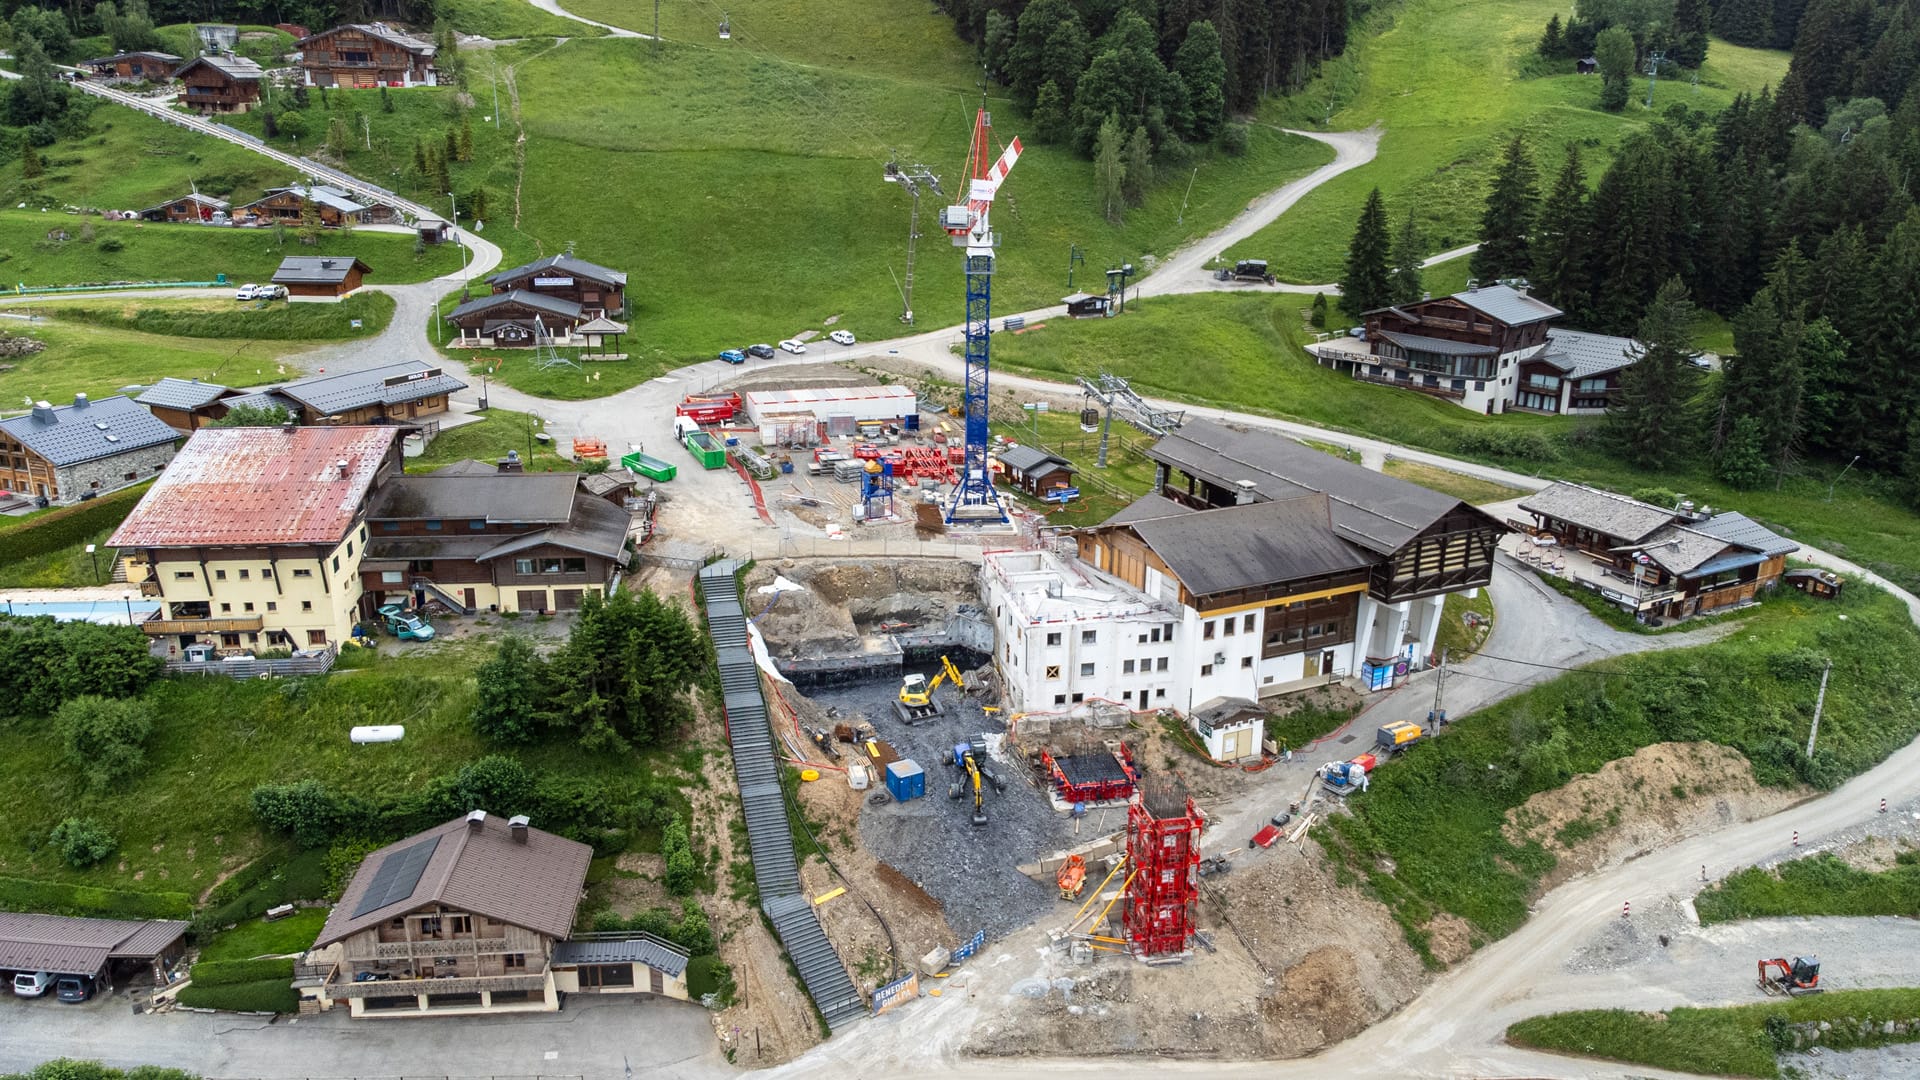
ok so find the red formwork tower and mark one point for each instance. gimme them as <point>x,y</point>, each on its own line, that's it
<point>1163,851</point>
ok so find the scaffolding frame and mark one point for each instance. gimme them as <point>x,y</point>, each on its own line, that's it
<point>1163,847</point>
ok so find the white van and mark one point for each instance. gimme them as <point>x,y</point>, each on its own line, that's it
<point>31,983</point>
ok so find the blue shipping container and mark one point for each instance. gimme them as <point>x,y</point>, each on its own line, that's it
<point>906,780</point>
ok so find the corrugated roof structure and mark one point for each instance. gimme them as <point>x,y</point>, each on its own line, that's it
<point>88,430</point>
<point>325,194</point>
<point>60,945</point>
<point>1241,547</point>
<point>469,866</point>
<point>651,951</point>
<point>1681,551</point>
<point>1602,511</point>
<point>554,305</point>
<point>408,380</point>
<point>1580,354</point>
<point>316,270</point>
<point>1507,304</point>
<point>1027,458</point>
<point>172,393</point>
<point>1145,508</point>
<point>280,485</point>
<point>1737,528</point>
<point>1378,512</point>
<point>561,266</point>
<point>237,68</point>
<point>1437,346</point>
<point>497,498</point>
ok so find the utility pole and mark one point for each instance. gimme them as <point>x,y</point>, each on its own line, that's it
<point>366,129</point>
<point>1836,480</point>
<point>911,178</point>
<point>1654,60</point>
<point>1074,258</point>
<point>1182,219</point>
<point>1819,702</point>
<point>1439,714</point>
<point>496,90</point>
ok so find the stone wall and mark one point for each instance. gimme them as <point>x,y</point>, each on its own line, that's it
<point>110,472</point>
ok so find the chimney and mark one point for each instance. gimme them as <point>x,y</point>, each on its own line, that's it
<point>511,463</point>
<point>326,264</point>
<point>1245,494</point>
<point>341,468</point>
<point>476,820</point>
<point>79,401</point>
<point>43,412</point>
<point>517,825</point>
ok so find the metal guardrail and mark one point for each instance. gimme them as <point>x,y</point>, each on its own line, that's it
<point>256,669</point>
<point>769,836</point>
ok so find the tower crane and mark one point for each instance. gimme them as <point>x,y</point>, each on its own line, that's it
<point>974,497</point>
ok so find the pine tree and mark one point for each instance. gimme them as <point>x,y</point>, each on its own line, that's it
<point>1139,175</point>
<point>1762,382</point>
<point>1691,21</point>
<point>1651,419</point>
<point>1614,50</point>
<point>1204,74</point>
<point>30,164</point>
<point>996,43</point>
<point>1887,384</point>
<point>1067,52</point>
<point>1026,54</point>
<point>1746,22</point>
<point>1553,41</point>
<point>466,138</point>
<point>1110,171</point>
<point>386,99</point>
<point>1318,316</point>
<point>309,230</point>
<point>452,151</point>
<point>1050,114</point>
<point>1743,461</point>
<point>1558,241</point>
<point>1508,218</point>
<point>420,158</point>
<point>442,179</point>
<point>337,141</point>
<point>1366,284</point>
<point>1409,251</point>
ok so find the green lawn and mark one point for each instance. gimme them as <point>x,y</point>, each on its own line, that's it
<point>489,440</point>
<point>99,361</point>
<point>1816,885</point>
<point>1451,82</point>
<point>219,315</point>
<point>1457,639</point>
<point>1103,492</point>
<point>31,254</point>
<point>66,568</point>
<point>131,161</point>
<point>1435,815</point>
<point>504,19</point>
<point>1730,1041</point>
<point>1459,485</point>
<point>258,937</point>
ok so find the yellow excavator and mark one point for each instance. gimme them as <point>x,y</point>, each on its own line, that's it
<point>963,757</point>
<point>916,693</point>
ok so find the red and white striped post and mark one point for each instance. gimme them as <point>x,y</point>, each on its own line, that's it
<point>1796,838</point>
<point>1883,805</point>
<point>1626,909</point>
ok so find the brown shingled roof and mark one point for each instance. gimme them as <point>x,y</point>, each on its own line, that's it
<point>69,946</point>
<point>535,885</point>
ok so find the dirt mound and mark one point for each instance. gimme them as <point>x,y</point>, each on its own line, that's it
<point>1319,1002</point>
<point>841,599</point>
<point>1660,794</point>
<point>908,891</point>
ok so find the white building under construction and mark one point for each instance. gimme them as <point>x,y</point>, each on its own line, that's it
<point>1257,567</point>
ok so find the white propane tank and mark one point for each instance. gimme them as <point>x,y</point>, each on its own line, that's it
<point>378,733</point>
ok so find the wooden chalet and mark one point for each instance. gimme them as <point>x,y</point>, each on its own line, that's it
<point>192,206</point>
<point>596,289</point>
<point>1653,561</point>
<point>519,319</point>
<point>68,453</point>
<point>408,391</point>
<point>1576,372</point>
<point>220,84</point>
<point>151,66</point>
<point>1462,347</point>
<point>1035,471</point>
<point>319,277</point>
<point>366,55</point>
<point>186,404</point>
<point>337,206</point>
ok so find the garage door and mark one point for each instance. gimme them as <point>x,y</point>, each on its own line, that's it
<point>533,599</point>
<point>567,599</point>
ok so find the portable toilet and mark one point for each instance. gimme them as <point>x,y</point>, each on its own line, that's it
<point>906,780</point>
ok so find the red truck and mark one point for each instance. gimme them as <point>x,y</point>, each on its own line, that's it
<point>709,408</point>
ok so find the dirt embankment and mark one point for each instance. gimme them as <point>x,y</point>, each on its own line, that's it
<point>1660,794</point>
<point>843,599</point>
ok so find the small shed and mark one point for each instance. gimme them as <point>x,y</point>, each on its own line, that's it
<point>614,485</point>
<point>1230,728</point>
<point>319,277</point>
<point>1088,306</point>
<point>433,230</point>
<point>151,66</point>
<point>1035,471</point>
<point>1586,65</point>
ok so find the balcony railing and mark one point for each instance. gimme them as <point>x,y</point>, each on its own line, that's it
<point>241,625</point>
<point>1444,389</point>
<point>345,987</point>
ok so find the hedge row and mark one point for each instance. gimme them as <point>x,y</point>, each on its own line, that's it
<point>69,525</point>
<point>19,894</point>
<point>267,995</point>
<point>233,972</point>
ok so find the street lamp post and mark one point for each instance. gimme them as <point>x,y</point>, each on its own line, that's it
<point>1836,480</point>
<point>128,597</point>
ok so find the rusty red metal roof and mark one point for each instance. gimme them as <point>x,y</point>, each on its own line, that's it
<point>260,486</point>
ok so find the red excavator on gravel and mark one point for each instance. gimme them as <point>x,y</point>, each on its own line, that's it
<point>1802,976</point>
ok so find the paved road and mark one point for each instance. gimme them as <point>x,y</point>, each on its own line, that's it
<point>552,7</point>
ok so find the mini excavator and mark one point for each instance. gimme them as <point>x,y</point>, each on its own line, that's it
<point>1795,979</point>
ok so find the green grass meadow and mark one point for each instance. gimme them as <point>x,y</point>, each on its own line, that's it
<point>1451,81</point>
<point>1816,885</point>
<point>1735,1040</point>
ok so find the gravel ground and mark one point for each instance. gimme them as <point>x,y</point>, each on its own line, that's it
<point>971,871</point>
<point>1885,1063</point>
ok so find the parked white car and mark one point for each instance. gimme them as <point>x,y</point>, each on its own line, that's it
<point>842,337</point>
<point>792,346</point>
<point>247,292</point>
<point>31,983</point>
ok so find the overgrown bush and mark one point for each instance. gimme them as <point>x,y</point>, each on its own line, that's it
<point>44,663</point>
<point>83,842</point>
<point>1505,443</point>
<point>55,898</point>
<point>510,706</point>
<point>279,877</point>
<point>691,930</point>
<point>234,972</point>
<point>682,872</point>
<point>268,995</point>
<point>74,1069</point>
<point>105,739</point>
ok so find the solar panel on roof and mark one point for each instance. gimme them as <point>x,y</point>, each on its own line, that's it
<point>399,873</point>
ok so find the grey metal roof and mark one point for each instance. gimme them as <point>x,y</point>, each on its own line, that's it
<point>499,498</point>
<point>383,32</point>
<point>263,399</point>
<point>172,393</point>
<point>316,270</point>
<point>482,870</point>
<point>1507,304</point>
<point>60,945</point>
<point>566,264</point>
<point>1679,549</point>
<point>650,951</point>
<point>1026,458</point>
<point>1378,512</point>
<point>606,483</point>
<point>70,434</point>
<point>596,527</point>
<point>554,305</point>
<point>1145,507</point>
<point>1581,354</point>
<point>602,325</point>
<point>329,394</point>
<point>1437,346</point>
<point>1241,547</point>
<point>338,198</point>
<point>1602,511</point>
<point>237,68</point>
<point>1737,528</point>
<point>119,56</point>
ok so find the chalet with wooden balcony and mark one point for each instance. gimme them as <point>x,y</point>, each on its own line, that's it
<point>1462,347</point>
<point>193,206</point>
<point>1654,562</point>
<point>490,538</point>
<point>220,83</point>
<point>366,55</point>
<point>1575,372</point>
<point>66,453</point>
<point>596,289</point>
<point>334,206</point>
<point>463,918</point>
<point>150,66</point>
